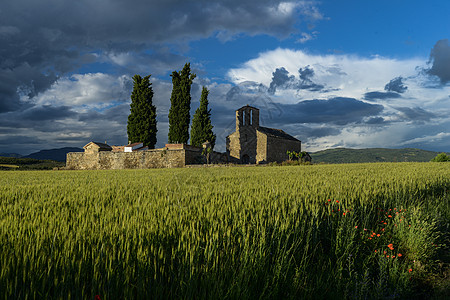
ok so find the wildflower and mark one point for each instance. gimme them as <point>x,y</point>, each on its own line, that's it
<point>337,201</point>
<point>391,246</point>
<point>382,229</point>
<point>378,235</point>
<point>393,256</point>
<point>376,251</point>
<point>399,255</point>
<point>356,226</point>
<point>389,216</point>
<point>343,214</point>
<point>384,252</point>
<point>410,270</point>
<point>329,200</point>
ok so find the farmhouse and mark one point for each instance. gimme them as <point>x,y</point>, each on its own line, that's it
<point>251,143</point>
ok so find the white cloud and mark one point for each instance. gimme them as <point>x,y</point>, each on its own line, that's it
<point>427,139</point>
<point>96,90</point>
<point>343,75</point>
<point>418,117</point>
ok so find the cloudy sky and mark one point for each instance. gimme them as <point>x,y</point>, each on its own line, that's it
<point>346,73</point>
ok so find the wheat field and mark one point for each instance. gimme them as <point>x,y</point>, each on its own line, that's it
<point>320,231</point>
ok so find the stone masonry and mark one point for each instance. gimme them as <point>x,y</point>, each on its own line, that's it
<point>251,143</point>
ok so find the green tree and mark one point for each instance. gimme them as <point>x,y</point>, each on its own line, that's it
<point>441,157</point>
<point>141,125</point>
<point>201,130</point>
<point>180,105</point>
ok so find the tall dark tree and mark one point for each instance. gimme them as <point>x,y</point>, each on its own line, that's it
<point>201,130</point>
<point>141,125</point>
<point>180,107</point>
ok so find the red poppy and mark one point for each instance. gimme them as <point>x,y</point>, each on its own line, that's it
<point>399,255</point>
<point>337,201</point>
<point>391,246</point>
<point>410,270</point>
<point>389,216</point>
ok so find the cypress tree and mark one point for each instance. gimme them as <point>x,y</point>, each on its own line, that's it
<point>201,130</point>
<point>180,105</point>
<point>141,125</point>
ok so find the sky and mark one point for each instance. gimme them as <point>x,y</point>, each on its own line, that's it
<point>351,73</point>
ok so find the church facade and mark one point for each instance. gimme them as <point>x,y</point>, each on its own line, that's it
<point>251,143</point>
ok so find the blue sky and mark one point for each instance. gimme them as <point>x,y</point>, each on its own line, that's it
<point>353,74</point>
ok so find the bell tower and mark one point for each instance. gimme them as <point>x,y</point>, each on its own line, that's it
<point>247,116</point>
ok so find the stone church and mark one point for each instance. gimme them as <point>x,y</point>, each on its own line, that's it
<point>251,143</point>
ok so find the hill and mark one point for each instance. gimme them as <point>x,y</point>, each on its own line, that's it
<point>346,155</point>
<point>16,155</point>
<point>54,154</point>
<point>13,163</point>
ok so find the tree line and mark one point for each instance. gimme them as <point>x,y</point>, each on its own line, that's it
<point>141,126</point>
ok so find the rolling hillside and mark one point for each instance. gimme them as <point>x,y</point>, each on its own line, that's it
<point>345,155</point>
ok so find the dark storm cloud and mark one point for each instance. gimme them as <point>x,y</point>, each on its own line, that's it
<point>45,113</point>
<point>416,114</point>
<point>396,85</point>
<point>381,95</point>
<point>41,40</point>
<point>440,59</point>
<point>376,121</point>
<point>117,113</point>
<point>22,80</point>
<point>337,110</point>
<point>320,132</point>
<point>306,74</point>
<point>282,80</point>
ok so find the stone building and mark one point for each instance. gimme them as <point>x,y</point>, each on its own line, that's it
<point>251,143</point>
<point>102,156</point>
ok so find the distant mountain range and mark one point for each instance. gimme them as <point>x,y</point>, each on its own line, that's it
<point>331,156</point>
<point>51,154</point>
<point>345,155</point>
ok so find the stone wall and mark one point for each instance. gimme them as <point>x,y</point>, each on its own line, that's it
<point>158,158</point>
<point>261,147</point>
<point>277,148</point>
<point>169,157</point>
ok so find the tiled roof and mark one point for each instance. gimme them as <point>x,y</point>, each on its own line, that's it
<point>277,133</point>
<point>134,144</point>
<point>100,145</point>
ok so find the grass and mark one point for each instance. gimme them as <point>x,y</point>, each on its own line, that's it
<point>258,232</point>
<point>8,166</point>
